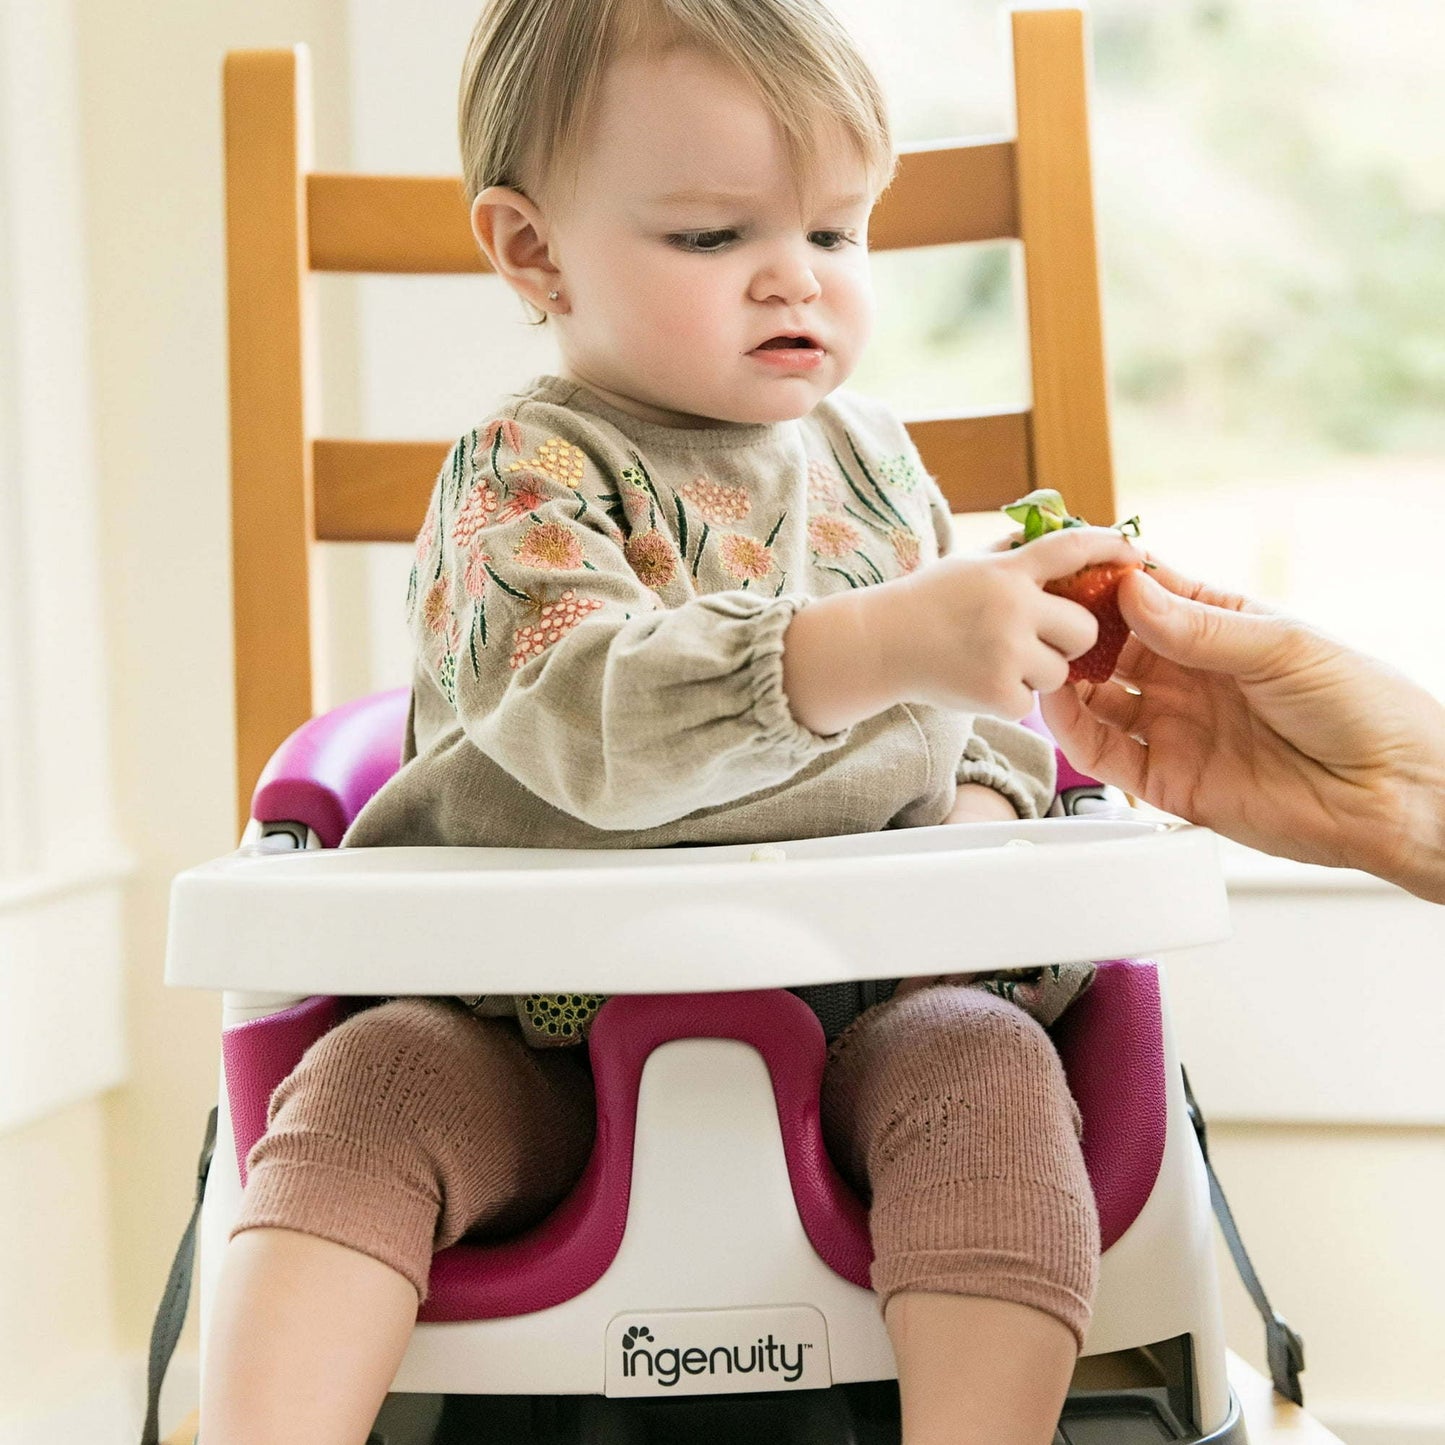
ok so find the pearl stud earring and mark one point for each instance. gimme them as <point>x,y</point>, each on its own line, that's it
<point>553,295</point>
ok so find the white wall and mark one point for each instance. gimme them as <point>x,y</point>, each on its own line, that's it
<point>150,119</point>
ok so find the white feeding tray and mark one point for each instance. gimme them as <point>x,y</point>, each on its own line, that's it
<point>674,920</point>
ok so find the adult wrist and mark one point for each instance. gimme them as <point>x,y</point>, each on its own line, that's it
<point>1418,862</point>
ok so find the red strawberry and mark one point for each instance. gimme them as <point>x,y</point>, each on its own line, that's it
<point>1095,587</point>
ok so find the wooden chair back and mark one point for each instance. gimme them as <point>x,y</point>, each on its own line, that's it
<point>291,489</point>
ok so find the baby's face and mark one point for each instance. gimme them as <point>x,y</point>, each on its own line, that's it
<point>684,252</point>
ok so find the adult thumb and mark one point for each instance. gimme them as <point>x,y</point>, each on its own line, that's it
<point>1194,634</point>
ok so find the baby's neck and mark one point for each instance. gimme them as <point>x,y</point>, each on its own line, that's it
<point>643,411</point>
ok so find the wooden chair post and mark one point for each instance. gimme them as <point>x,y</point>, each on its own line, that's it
<point>1069,429</point>
<point>268,130</point>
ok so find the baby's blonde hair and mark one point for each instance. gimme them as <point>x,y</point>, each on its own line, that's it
<point>534,68</point>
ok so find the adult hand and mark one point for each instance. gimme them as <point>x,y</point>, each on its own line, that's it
<point>1252,723</point>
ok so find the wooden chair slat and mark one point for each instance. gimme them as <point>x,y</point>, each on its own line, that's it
<point>377,491</point>
<point>373,491</point>
<point>949,192</point>
<point>981,462</point>
<point>390,223</point>
<point>942,193</point>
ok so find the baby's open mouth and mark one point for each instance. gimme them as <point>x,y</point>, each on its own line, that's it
<point>782,343</point>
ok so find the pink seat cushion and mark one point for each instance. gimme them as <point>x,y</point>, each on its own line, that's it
<point>1111,1042</point>
<point>325,772</point>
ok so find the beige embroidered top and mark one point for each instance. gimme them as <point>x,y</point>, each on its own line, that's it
<point>598,605</point>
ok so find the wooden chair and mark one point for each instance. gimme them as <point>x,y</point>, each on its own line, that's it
<point>285,221</point>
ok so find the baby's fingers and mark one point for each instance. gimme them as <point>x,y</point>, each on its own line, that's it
<point>1068,628</point>
<point>1061,554</point>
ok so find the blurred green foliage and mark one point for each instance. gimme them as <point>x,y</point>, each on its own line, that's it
<point>1270,177</point>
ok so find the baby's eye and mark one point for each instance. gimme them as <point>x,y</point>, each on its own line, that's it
<point>701,240</point>
<point>832,240</point>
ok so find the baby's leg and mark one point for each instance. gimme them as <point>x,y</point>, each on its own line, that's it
<point>407,1126</point>
<point>949,1106</point>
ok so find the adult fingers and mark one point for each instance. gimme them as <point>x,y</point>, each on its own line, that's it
<point>1114,706</point>
<point>1093,747</point>
<point>1061,553</point>
<point>1197,634</point>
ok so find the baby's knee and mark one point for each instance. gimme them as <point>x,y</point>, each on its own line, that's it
<point>382,1064</point>
<point>946,1043</point>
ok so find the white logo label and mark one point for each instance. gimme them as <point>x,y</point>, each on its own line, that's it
<point>717,1352</point>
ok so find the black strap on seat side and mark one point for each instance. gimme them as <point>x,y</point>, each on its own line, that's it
<point>1285,1349</point>
<point>171,1312</point>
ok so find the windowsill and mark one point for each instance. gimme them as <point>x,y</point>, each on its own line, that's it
<point>62,972</point>
<point>28,890</point>
<point>1249,871</point>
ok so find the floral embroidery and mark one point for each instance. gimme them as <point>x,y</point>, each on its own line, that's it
<point>880,508</point>
<point>650,555</point>
<point>507,429</point>
<point>900,471</point>
<point>447,676</point>
<point>716,502</point>
<point>833,536</point>
<point>823,486</point>
<point>474,579</point>
<point>550,545</point>
<point>529,494</point>
<point>555,620</point>
<point>436,609</point>
<point>427,536</point>
<point>745,558</point>
<point>475,514</point>
<point>905,549</point>
<point>557,459</point>
<point>635,477</point>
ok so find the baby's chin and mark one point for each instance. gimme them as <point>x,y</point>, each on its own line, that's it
<point>779,401</point>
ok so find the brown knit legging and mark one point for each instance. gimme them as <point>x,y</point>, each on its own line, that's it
<point>415,1123</point>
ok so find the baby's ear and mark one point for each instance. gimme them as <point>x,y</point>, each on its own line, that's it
<point>512,233</point>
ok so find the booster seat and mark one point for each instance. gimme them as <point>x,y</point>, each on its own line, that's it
<point>710,1253</point>
<point>710,1247</point>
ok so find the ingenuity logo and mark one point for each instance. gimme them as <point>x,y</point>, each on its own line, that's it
<point>765,1356</point>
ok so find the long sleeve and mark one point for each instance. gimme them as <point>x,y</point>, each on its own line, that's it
<point>546,609</point>
<point>1011,760</point>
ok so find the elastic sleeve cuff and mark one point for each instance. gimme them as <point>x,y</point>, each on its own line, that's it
<point>779,731</point>
<point>1013,761</point>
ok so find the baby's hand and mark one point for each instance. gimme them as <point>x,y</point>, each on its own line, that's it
<point>980,634</point>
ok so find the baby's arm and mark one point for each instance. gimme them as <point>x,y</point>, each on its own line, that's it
<point>978,803</point>
<point>535,625</point>
<point>971,633</point>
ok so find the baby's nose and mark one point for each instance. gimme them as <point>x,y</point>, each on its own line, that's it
<point>786,277</point>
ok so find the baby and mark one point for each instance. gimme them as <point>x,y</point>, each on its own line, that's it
<point>687,591</point>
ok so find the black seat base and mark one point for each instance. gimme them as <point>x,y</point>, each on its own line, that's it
<point>855,1414</point>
